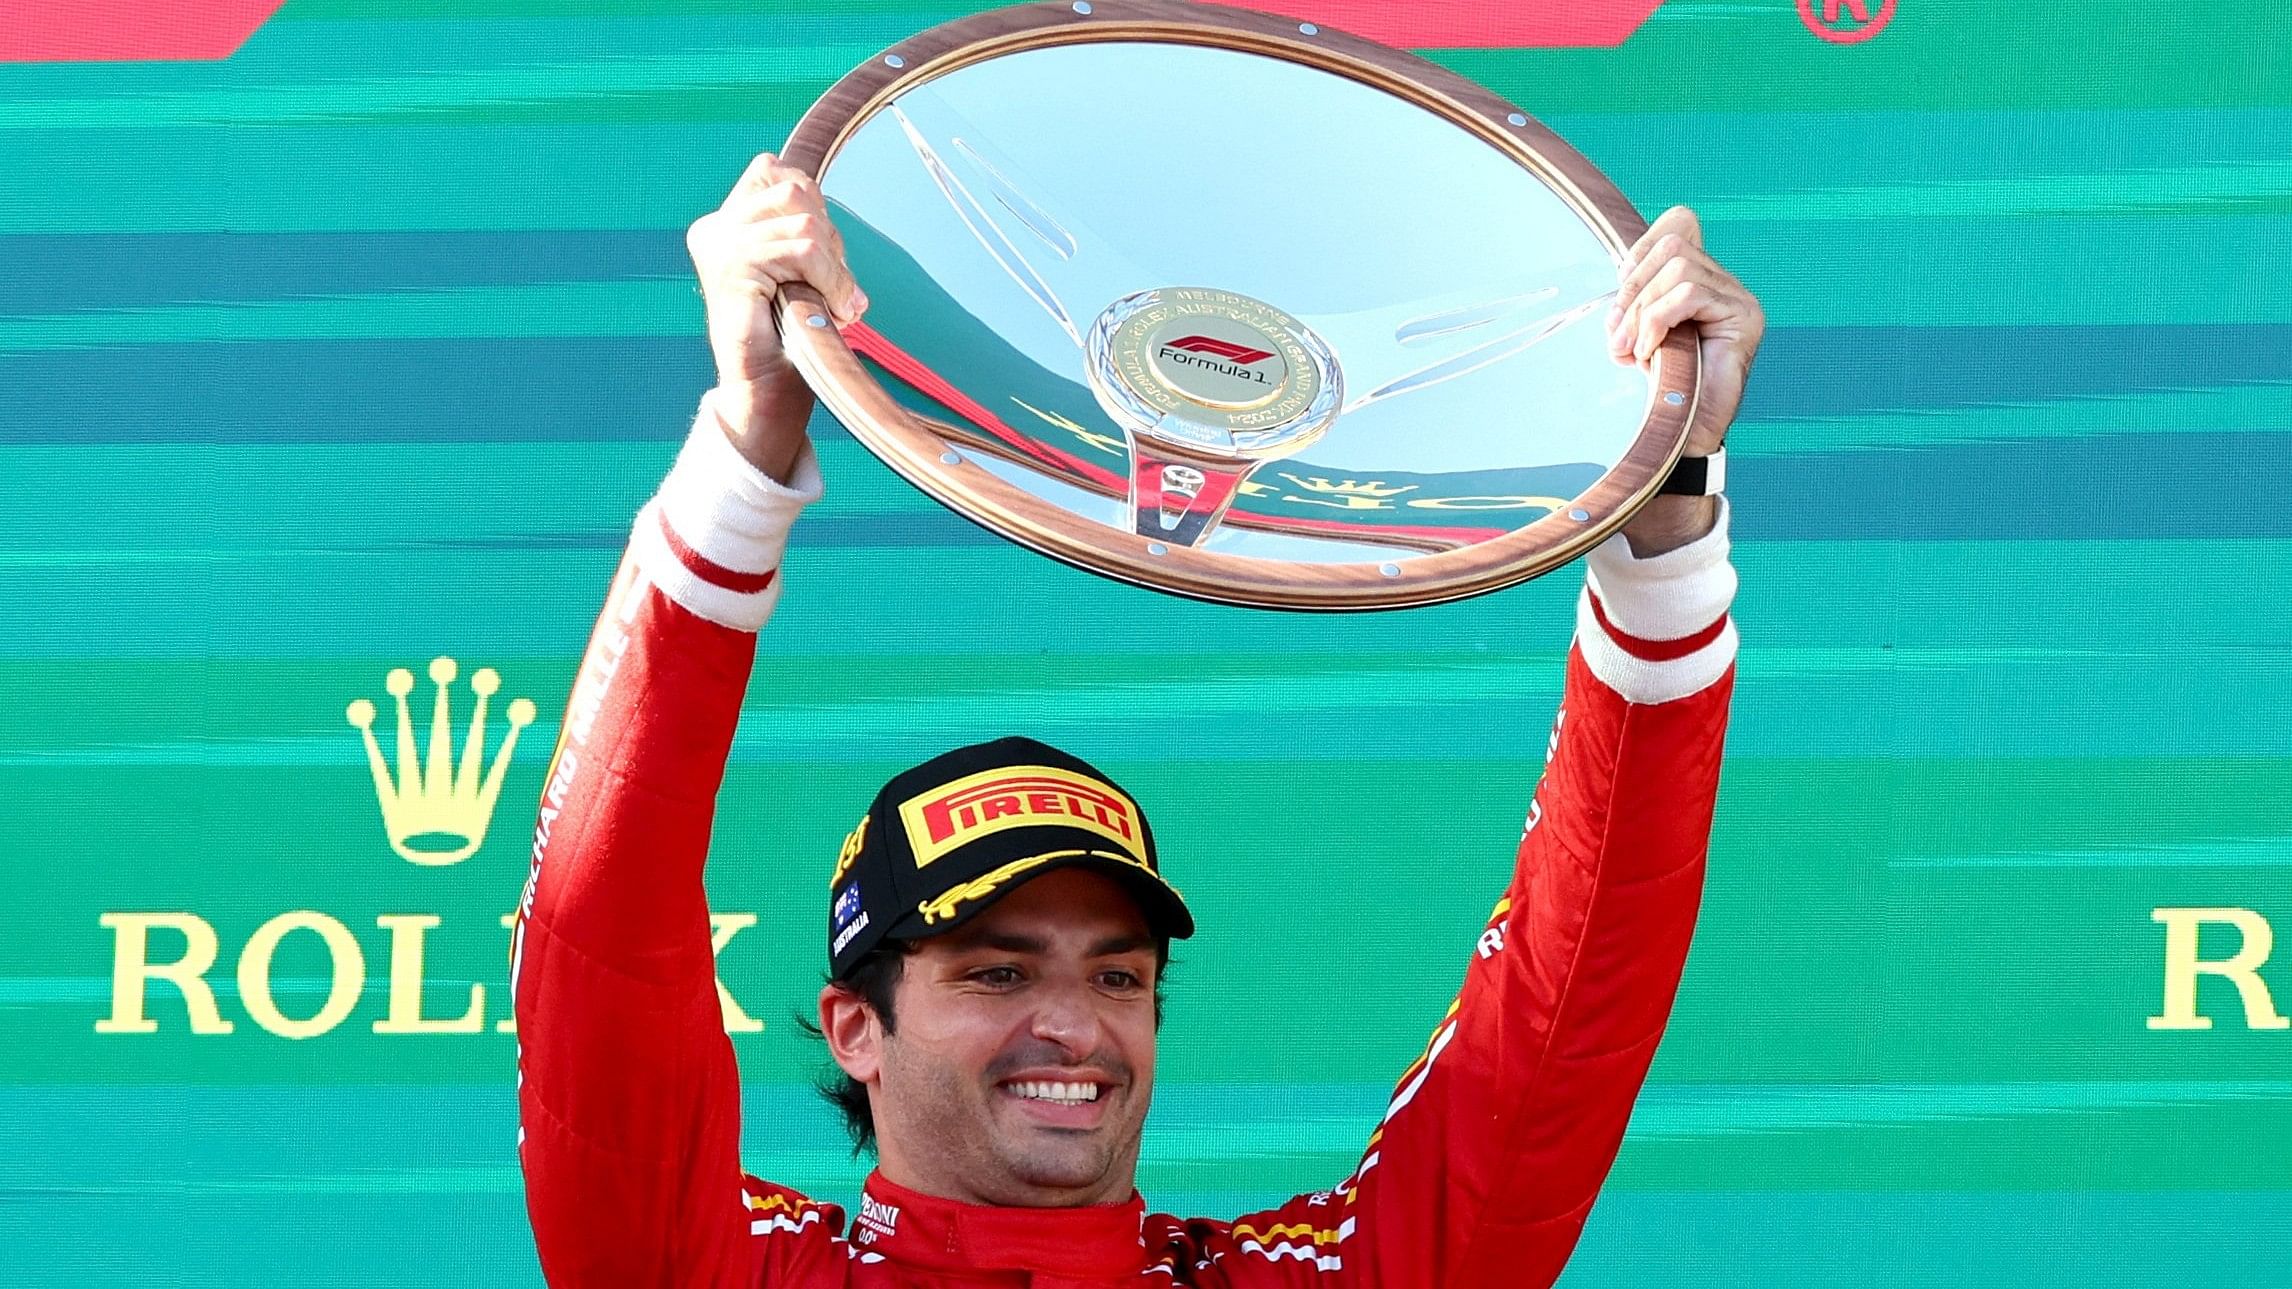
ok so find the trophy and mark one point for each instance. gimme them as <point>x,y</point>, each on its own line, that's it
<point>1231,306</point>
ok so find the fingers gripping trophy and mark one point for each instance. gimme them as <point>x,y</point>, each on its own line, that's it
<point>1153,389</point>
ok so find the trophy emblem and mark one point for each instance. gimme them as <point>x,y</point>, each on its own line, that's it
<point>1207,384</point>
<point>1320,330</point>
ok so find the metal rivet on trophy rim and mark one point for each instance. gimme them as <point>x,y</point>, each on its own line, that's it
<point>1308,29</point>
<point>1156,548</point>
<point>1389,570</point>
<point>1675,398</point>
<point>949,458</point>
<point>816,320</point>
<point>1579,514</point>
<point>894,61</point>
<point>1517,119</point>
<point>1082,7</point>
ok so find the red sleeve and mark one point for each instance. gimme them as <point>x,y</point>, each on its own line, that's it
<point>1498,1138</point>
<point>628,1097</point>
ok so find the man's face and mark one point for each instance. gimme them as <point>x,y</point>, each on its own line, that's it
<point>1023,1057</point>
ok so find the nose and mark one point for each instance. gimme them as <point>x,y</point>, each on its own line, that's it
<point>1066,1017</point>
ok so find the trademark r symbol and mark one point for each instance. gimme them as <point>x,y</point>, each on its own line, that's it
<point>1854,25</point>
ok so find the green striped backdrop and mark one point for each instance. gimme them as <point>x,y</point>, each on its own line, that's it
<point>362,347</point>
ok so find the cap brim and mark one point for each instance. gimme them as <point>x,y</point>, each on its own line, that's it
<point>1165,911</point>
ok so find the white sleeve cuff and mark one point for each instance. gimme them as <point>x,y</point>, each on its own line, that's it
<point>1668,596</point>
<point>711,539</point>
<point>1657,629</point>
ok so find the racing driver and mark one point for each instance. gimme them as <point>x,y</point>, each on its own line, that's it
<point>998,921</point>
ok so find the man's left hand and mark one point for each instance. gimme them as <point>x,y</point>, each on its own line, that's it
<point>1668,280</point>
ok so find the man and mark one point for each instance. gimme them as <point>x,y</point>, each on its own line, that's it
<point>998,921</point>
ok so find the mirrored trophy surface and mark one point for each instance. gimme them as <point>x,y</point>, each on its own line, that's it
<point>1232,306</point>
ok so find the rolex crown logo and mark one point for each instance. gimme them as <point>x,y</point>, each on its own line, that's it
<point>435,811</point>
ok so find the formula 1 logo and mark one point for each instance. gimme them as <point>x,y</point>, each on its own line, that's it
<point>1225,349</point>
<point>1845,22</point>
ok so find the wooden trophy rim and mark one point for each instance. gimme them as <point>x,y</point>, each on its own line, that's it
<point>919,453</point>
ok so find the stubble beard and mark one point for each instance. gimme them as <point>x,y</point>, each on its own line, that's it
<point>1055,1159</point>
<point>965,1126</point>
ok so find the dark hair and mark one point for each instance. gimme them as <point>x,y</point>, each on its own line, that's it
<point>875,979</point>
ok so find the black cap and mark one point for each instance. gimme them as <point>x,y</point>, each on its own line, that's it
<point>945,840</point>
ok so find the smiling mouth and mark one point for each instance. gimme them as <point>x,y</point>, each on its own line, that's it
<point>1053,1093</point>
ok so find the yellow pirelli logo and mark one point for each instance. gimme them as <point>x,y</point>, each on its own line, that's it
<point>1023,796</point>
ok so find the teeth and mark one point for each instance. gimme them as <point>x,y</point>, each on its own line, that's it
<point>1060,1093</point>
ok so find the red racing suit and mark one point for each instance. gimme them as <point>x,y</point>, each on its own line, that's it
<point>1496,1139</point>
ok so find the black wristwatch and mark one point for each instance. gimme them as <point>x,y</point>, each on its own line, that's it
<point>1697,477</point>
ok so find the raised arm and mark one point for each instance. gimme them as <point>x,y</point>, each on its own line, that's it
<point>628,1097</point>
<point>1498,1138</point>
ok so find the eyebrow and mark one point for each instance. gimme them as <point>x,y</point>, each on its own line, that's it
<point>1121,944</point>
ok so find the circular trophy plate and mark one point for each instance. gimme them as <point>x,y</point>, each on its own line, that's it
<point>1232,306</point>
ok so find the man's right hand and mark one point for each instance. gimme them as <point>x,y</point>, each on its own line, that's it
<point>772,230</point>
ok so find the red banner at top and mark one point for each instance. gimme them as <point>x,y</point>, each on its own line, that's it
<point>1475,24</point>
<point>56,31</point>
<point>120,31</point>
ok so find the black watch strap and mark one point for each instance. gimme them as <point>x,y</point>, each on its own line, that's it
<point>1697,476</point>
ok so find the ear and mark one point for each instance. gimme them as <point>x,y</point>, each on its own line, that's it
<point>855,1037</point>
